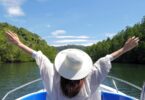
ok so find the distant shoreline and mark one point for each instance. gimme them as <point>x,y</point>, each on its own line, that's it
<point>35,62</point>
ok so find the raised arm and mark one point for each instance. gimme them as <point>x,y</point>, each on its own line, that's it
<point>129,45</point>
<point>13,38</point>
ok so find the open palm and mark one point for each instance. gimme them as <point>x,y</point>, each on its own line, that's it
<point>131,43</point>
<point>13,37</point>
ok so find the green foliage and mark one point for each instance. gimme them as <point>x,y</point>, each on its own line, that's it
<point>107,46</point>
<point>11,53</point>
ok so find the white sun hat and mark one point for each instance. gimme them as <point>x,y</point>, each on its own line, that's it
<point>73,64</point>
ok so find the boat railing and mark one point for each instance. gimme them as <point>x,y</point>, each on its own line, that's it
<point>123,81</point>
<point>142,96</point>
<point>124,86</point>
<point>114,79</point>
<point>20,87</point>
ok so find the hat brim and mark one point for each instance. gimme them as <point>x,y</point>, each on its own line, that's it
<point>69,74</point>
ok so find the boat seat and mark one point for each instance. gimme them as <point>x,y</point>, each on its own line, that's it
<point>113,96</point>
<point>38,96</point>
<point>104,96</point>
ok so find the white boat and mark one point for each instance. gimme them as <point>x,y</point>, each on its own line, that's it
<point>106,92</point>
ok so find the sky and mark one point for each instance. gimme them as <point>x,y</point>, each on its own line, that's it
<point>78,22</point>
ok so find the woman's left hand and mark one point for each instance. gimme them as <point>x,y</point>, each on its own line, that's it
<point>130,43</point>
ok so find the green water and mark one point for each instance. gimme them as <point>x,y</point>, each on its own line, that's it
<point>131,72</point>
<point>13,75</point>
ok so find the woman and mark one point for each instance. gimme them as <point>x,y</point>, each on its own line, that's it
<point>73,76</point>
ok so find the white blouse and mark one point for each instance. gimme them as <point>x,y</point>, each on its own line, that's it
<point>51,79</point>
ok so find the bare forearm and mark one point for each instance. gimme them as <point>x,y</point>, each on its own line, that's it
<point>25,48</point>
<point>118,53</point>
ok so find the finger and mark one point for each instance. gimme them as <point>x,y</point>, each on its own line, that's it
<point>136,39</point>
<point>133,37</point>
<point>136,42</point>
<point>9,37</point>
<point>12,33</point>
<point>9,34</point>
<point>129,39</point>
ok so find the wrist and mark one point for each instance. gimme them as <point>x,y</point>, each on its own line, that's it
<point>124,50</point>
<point>19,44</point>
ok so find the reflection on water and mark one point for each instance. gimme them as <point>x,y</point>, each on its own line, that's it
<point>130,72</point>
<point>14,75</point>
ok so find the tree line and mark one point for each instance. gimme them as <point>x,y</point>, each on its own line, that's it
<point>11,53</point>
<point>107,46</point>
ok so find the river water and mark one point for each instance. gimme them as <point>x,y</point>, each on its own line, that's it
<point>14,75</point>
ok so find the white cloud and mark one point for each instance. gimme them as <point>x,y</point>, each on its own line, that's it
<point>71,37</point>
<point>67,37</point>
<point>70,41</point>
<point>65,44</point>
<point>86,43</point>
<point>58,32</point>
<point>15,11</point>
<point>77,41</point>
<point>13,7</point>
<point>58,45</point>
<point>60,38</point>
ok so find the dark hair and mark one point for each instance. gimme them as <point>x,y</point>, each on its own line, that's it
<point>71,88</point>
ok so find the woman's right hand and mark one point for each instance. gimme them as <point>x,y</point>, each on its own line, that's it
<point>13,37</point>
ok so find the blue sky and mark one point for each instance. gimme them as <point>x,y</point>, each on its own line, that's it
<point>81,22</point>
